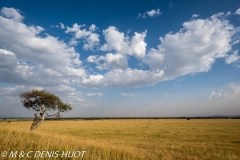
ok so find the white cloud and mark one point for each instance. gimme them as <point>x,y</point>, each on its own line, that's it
<point>93,27</point>
<point>62,26</point>
<point>237,11</point>
<point>73,42</point>
<point>234,57</point>
<point>11,94</point>
<point>8,63</point>
<point>12,91</point>
<point>195,15</point>
<point>92,58</point>
<point>140,15</point>
<point>91,81</point>
<point>191,50</point>
<point>91,39</point>
<point>214,94</point>
<point>11,13</point>
<point>228,13</point>
<point>231,91</point>
<point>117,41</point>
<point>8,60</point>
<point>116,60</point>
<point>124,78</point>
<point>138,46</point>
<point>130,94</point>
<point>94,94</point>
<point>35,60</point>
<point>6,53</point>
<point>109,61</point>
<point>194,48</point>
<point>123,47</point>
<point>78,32</point>
<point>68,94</point>
<point>47,61</point>
<point>151,13</point>
<point>154,59</point>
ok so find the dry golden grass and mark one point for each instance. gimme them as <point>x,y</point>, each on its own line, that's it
<point>127,139</point>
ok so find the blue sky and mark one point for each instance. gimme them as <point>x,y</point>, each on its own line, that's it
<point>121,58</point>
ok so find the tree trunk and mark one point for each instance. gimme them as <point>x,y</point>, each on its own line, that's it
<point>36,122</point>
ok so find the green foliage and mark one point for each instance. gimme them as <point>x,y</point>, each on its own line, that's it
<point>35,99</point>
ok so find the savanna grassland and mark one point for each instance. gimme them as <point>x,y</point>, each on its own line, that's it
<point>127,139</point>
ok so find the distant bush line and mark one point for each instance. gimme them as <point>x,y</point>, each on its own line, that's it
<point>116,118</point>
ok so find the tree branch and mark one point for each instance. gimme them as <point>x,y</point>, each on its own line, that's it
<point>55,115</point>
<point>42,102</point>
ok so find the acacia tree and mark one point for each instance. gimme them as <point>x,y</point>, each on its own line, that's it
<point>43,102</point>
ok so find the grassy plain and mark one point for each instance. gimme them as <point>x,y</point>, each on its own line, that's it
<point>127,139</point>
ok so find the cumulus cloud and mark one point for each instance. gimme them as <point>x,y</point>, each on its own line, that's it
<point>32,59</point>
<point>91,39</point>
<point>121,47</point>
<point>69,94</point>
<point>234,89</point>
<point>195,15</point>
<point>117,41</point>
<point>11,13</point>
<point>109,61</point>
<point>234,57</point>
<point>116,60</point>
<point>214,94</point>
<point>124,78</point>
<point>48,61</point>
<point>137,46</point>
<point>237,11</point>
<point>93,27</point>
<point>7,60</point>
<point>8,64</point>
<point>194,48</point>
<point>130,94</point>
<point>230,91</point>
<point>154,59</point>
<point>151,13</point>
<point>61,25</point>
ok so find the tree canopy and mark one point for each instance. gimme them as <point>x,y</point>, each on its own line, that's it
<point>43,101</point>
<point>35,99</point>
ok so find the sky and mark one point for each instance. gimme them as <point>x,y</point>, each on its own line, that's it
<point>122,58</point>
